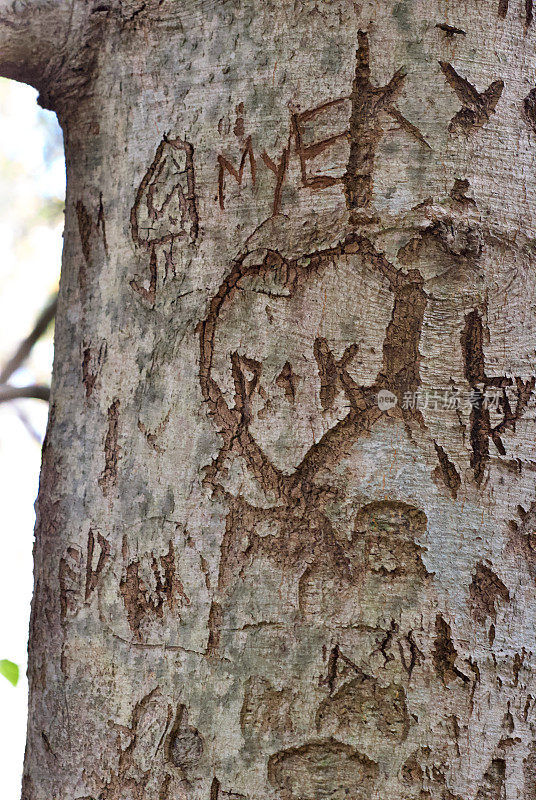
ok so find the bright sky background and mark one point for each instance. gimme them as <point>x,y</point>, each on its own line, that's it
<point>32,182</point>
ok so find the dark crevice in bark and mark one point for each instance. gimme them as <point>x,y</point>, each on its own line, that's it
<point>493,781</point>
<point>111,450</point>
<point>445,654</point>
<point>85,228</point>
<point>416,656</point>
<point>447,470</point>
<point>529,107</point>
<point>214,625</point>
<point>529,13</point>
<point>88,378</point>
<point>479,436</point>
<point>214,789</point>
<point>93,575</point>
<point>477,106</point>
<point>287,380</point>
<point>90,232</point>
<point>472,341</point>
<point>92,360</point>
<point>332,668</point>
<point>485,590</point>
<point>450,30</point>
<point>458,192</point>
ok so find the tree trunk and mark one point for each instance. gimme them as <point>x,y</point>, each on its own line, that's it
<point>286,536</point>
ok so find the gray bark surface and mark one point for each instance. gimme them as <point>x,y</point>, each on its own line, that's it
<point>251,581</point>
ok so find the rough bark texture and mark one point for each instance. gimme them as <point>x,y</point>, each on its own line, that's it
<point>251,580</point>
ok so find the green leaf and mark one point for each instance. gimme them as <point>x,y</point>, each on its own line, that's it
<point>10,671</point>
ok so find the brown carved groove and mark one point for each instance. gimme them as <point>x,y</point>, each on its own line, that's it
<point>477,106</point>
<point>367,104</point>
<point>306,535</point>
<point>485,590</point>
<point>472,342</point>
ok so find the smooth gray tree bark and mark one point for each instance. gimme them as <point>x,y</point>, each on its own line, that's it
<point>286,534</point>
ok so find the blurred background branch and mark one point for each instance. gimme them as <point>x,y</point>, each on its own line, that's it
<point>39,392</point>
<point>36,391</point>
<point>25,347</point>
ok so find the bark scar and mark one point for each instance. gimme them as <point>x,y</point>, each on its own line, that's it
<point>111,450</point>
<point>477,106</point>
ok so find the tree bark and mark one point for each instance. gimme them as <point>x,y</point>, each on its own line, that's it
<point>285,541</point>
